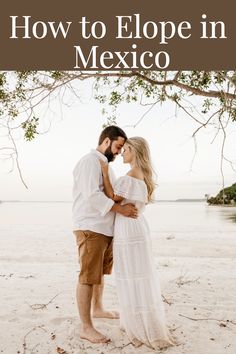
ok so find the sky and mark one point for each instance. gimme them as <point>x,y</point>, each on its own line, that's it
<point>72,130</point>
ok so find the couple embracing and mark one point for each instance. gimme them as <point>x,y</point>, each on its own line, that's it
<point>109,224</point>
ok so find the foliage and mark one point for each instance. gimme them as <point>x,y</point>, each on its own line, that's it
<point>225,196</point>
<point>30,128</point>
<point>217,90</point>
<point>21,93</point>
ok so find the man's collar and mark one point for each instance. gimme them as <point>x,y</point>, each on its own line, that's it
<point>100,155</point>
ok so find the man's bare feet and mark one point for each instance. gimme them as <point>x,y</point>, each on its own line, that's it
<point>105,314</point>
<point>92,335</point>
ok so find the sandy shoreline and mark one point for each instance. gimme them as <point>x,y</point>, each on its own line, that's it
<point>39,314</point>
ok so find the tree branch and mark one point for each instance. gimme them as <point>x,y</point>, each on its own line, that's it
<point>174,82</point>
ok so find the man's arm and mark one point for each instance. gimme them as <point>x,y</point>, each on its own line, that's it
<point>87,175</point>
<point>128,210</point>
<point>109,191</point>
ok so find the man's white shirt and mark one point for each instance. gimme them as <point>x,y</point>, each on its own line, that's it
<point>91,207</point>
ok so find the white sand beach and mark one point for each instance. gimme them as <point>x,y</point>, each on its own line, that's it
<point>196,262</point>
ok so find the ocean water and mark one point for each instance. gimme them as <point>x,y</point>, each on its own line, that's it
<point>37,233</point>
<point>168,217</point>
<point>41,232</point>
<point>192,219</point>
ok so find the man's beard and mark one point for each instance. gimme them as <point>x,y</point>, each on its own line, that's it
<point>109,154</point>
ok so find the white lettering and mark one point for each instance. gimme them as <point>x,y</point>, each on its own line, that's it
<point>184,26</point>
<point>103,29</point>
<point>122,26</point>
<point>213,29</point>
<point>122,57</point>
<point>120,60</point>
<point>80,57</point>
<point>25,27</point>
<point>106,56</point>
<point>36,27</point>
<point>60,28</point>
<point>166,60</point>
<point>143,65</point>
<point>84,27</point>
<point>163,31</point>
<point>154,29</point>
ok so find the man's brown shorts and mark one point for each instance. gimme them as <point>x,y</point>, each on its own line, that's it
<point>95,256</point>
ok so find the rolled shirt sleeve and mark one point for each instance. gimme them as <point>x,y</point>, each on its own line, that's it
<point>89,177</point>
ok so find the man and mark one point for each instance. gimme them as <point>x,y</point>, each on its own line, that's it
<point>93,219</point>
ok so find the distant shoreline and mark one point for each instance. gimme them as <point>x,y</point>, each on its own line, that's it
<point>180,200</point>
<point>68,201</point>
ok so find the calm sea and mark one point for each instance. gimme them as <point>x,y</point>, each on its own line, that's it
<point>178,217</point>
<point>33,232</point>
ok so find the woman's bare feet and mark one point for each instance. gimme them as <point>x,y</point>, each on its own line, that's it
<point>92,335</point>
<point>106,314</point>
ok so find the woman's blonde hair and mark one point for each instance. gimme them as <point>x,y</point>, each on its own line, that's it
<point>143,161</point>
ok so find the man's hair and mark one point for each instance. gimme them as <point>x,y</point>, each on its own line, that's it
<point>112,132</point>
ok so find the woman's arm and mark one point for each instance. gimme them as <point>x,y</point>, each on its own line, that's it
<point>108,189</point>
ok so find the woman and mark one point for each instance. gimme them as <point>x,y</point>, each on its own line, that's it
<point>141,308</point>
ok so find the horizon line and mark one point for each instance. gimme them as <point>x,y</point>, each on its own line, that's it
<point>70,201</point>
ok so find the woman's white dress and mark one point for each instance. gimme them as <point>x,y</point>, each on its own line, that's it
<point>139,294</point>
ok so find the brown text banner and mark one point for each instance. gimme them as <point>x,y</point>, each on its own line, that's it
<point>122,35</point>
